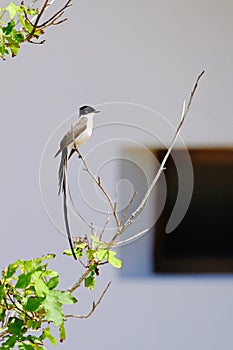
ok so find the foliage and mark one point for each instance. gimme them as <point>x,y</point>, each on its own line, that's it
<point>97,253</point>
<point>28,300</point>
<point>10,36</point>
<point>19,24</point>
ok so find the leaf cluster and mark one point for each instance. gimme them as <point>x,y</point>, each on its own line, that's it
<point>15,28</point>
<point>96,253</point>
<point>19,24</point>
<point>28,301</point>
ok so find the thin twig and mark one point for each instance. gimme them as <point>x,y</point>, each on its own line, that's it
<point>78,283</point>
<point>4,332</point>
<point>39,17</point>
<point>94,305</point>
<point>57,15</point>
<point>130,239</point>
<point>127,208</point>
<point>161,169</point>
<point>98,182</point>
<point>51,21</point>
<point>32,6</point>
<point>104,227</point>
<point>17,307</point>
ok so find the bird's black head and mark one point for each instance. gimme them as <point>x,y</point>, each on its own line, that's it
<point>84,110</point>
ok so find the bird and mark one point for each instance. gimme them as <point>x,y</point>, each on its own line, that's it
<point>76,136</point>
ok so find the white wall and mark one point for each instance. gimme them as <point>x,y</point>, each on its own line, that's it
<point>149,53</point>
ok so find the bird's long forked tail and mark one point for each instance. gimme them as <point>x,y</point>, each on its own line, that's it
<point>62,169</point>
<point>66,215</point>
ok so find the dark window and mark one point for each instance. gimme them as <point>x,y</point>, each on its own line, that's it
<point>203,241</point>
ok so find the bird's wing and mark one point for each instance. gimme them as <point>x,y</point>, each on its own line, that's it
<point>71,135</point>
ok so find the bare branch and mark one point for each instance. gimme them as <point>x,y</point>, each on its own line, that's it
<point>94,305</point>
<point>58,14</point>
<point>127,208</point>
<point>40,14</point>
<point>130,239</point>
<point>98,183</point>
<point>104,227</point>
<point>51,21</point>
<point>78,283</point>
<point>161,169</point>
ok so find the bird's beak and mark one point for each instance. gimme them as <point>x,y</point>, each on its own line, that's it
<point>97,111</point>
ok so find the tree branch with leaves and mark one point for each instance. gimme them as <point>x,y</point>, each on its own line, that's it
<point>26,24</point>
<point>30,302</point>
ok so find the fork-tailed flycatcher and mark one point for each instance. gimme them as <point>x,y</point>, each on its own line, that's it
<point>78,135</point>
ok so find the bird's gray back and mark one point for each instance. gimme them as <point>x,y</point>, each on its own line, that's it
<point>77,129</point>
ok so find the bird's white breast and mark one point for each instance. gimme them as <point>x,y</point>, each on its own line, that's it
<point>81,139</point>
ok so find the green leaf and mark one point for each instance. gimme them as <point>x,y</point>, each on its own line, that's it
<point>22,20</point>
<point>29,11</point>
<point>9,343</point>
<point>12,9</point>
<point>91,254</point>
<point>32,12</point>
<point>93,267</point>
<point>78,252</point>
<point>13,44</point>
<point>28,266</point>
<point>2,313</point>
<point>90,281</point>
<point>48,335</point>
<point>33,303</point>
<point>28,26</point>
<point>63,297</point>
<point>23,280</point>
<point>15,326</point>
<point>50,273</point>
<point>109,255</point>
<point>8,29</point>
<point>40,287</point>
<point>30,343</point>
<point>62,332</point>
<point>115,262</point>
<point>102,254</point>
<point>35,264</point>
<point>53,282</point>
<point>37,347</point>
<point>33,324</point>
<point>67,252</point>
<point>2,291</point>
<point>33,339</point>
<point>54,311</point>
<point>23,346</point>
<point>3,51</point>
<point>17,36</point>
<point>81,245</point>
<point>96,241</point>
<point>48,256</point>
<point>11,269</point>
